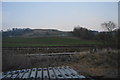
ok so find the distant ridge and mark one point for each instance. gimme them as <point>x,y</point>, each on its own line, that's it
<point>35,33</point>
<point>46,32</point>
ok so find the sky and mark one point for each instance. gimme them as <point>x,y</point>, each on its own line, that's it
<point>58,15</point>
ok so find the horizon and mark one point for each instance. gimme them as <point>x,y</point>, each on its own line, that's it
<point>63,16</point>
<point>53,29</point>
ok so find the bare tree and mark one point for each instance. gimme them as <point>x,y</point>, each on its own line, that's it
<point>109,36</point>
<point>109,26</point>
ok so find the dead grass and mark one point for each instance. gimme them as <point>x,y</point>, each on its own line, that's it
<point>95,64</point>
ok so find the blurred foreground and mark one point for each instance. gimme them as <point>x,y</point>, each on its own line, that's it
<point>102,63</point>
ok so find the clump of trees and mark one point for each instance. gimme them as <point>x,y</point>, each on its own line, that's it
<point>108,38</point>
<point>84,33</point>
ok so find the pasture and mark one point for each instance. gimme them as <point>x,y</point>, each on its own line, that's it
<point>45,41</point>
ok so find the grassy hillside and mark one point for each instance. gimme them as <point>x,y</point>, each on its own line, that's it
<point>46,33</point>
<point>35,33</point>
<point>44,41</point>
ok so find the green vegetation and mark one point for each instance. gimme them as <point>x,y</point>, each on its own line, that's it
<point>45,41</point>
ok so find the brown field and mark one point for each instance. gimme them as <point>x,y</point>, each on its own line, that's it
<point>101,63</point>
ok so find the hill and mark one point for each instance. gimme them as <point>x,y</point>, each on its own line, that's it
<point>15,32</point>
<point>46,32</point>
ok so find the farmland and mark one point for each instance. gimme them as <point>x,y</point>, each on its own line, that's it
<point>30,52</point>
<point>45,41</point>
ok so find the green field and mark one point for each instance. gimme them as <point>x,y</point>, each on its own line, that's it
<point>44,41</point>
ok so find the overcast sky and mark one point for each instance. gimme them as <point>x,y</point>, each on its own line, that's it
<point>58,15</point>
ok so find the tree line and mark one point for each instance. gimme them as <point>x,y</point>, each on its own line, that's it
<point>108,38</point>
<point>15,32</point>
<point>84,33</point>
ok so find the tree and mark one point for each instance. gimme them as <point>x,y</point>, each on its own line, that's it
<point>102,37</point>
<point>109,37</point>
<point>109,26</point>
<point>83,33</point>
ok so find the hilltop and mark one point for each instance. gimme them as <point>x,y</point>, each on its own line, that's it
<point>46,32</point>
<point>35,33</point>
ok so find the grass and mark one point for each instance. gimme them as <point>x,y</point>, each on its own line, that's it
<point>44,41</point>
<point>101,63</point>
